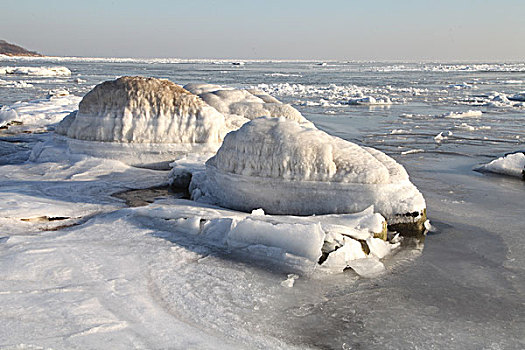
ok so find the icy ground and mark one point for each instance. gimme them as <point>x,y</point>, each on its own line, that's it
<point>108,276</point>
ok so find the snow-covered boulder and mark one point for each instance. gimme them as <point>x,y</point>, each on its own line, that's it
<point>288,168</point>
<point>512,165</point>
<point>145,110</point>
<point>242,105</point>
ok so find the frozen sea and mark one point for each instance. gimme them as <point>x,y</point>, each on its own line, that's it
<point>107,277</point>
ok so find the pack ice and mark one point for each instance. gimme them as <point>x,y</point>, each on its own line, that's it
<point>287,168</point>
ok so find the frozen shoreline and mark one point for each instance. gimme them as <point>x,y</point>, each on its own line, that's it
<point>106,276</point>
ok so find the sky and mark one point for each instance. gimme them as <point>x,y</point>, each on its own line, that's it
<point>481,30</point>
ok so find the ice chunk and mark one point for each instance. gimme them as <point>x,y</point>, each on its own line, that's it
<point>512,165</point>
<point>518,97</point>
<point>467,114</point>
<point>286,168</point>
<point>37,71</point>
<point>303,240</point>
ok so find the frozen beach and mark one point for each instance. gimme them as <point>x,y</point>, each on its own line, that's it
<point>83,270</point>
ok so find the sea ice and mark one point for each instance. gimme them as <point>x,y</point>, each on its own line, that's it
<point>287,168</point>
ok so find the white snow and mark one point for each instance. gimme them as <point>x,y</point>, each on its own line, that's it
<point>56,71</point>
<point>511,164</point>
<point>286,168</point>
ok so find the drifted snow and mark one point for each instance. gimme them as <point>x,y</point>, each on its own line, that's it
<point>37,71</point>
<point>286,168</point>
<point>511,164</point>
<point>241,105</point>
<point>145,110</point>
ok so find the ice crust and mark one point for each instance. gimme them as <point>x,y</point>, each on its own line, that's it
<point>286,168</point>
<point>144,110</point>
<point>511,164</point>
<point>56,71</point>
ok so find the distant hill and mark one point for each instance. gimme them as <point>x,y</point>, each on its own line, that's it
<point>15,50</point>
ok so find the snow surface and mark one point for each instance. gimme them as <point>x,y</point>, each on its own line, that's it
<point>37,71</point>
<point>511,164</point>
<point>287,168</point>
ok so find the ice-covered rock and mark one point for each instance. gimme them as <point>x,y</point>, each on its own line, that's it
<point>288,168</point>
<point>512,164</point>
<point>241,105</point>
<point>144,110</point>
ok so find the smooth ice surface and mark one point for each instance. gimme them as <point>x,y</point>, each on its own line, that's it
<point>287,168</point>
<point>145,110</point>
<point>511,164</point>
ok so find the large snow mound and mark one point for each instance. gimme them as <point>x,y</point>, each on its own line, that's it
<point>144,110</point>
<point>37,71</point>
<point>287,168</point>
<point>511,164</point>
<point>242,104</point>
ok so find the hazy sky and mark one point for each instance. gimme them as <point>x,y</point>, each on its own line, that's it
<point>320,29</point>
